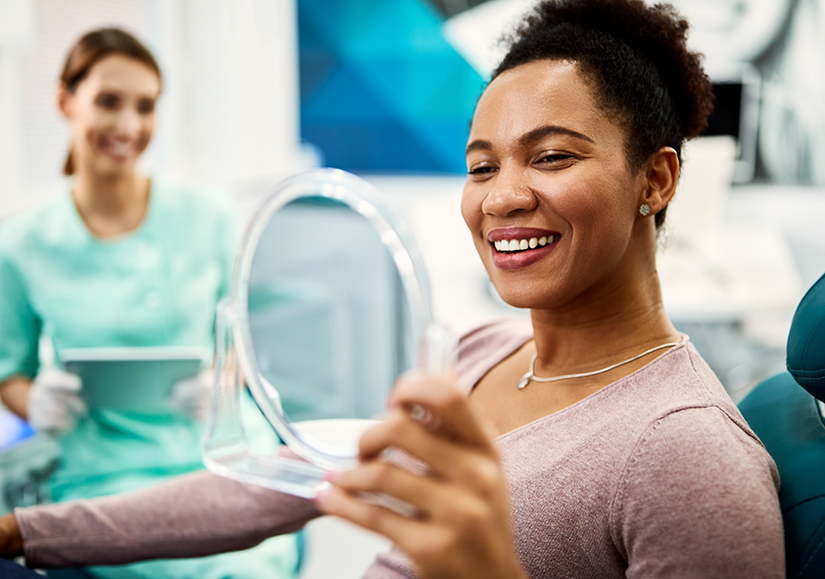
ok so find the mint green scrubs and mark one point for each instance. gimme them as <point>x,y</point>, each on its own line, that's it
<point>155,286</point>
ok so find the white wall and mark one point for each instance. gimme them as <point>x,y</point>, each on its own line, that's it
<point>231,116</point>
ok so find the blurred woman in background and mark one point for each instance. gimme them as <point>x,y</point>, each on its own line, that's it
<point>120,260</point>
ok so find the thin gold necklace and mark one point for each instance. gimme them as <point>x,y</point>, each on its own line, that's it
<point>531,376</point>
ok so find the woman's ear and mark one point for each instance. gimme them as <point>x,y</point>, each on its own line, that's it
<point>64,100</point>
<point>662,175</point>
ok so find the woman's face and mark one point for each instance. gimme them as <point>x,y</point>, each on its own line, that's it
<point>112,114</point>
<point>548,174</point>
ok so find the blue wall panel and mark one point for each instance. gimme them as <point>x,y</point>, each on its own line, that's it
<point>381,90</point>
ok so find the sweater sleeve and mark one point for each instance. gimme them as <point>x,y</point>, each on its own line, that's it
<point>190,516</point>
<point>699,499</point>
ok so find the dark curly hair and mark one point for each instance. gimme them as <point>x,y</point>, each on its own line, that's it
<point>638,59</point>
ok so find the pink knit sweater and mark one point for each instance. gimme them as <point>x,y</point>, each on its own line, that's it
<point>655,475</point>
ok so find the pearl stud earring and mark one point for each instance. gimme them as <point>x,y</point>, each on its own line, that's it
<point>644,209</point>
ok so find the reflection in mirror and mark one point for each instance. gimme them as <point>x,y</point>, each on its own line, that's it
<point>328,320</point>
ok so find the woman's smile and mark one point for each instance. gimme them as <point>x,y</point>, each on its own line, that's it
<point>515,248</point>
<point>118,149</point>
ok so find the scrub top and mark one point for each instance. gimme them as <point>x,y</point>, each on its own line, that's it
<point>155,286</point>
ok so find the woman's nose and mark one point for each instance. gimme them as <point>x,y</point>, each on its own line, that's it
<point>129,122</point>
<point>510,192</point>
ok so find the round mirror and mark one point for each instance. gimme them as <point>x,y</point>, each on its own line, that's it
<point>329,305</point>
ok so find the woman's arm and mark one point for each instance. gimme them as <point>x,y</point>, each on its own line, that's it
<point>190,516</point>
<point>462,527</point>
<point>699,499</point>
<point>14,393</point>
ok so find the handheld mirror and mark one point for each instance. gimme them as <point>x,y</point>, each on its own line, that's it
<point>329,304</point>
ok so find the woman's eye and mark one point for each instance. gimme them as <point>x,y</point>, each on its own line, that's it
<point>555,158</point>
<point>481,170</point>
<point>107,101</point>
<point>146,106</point>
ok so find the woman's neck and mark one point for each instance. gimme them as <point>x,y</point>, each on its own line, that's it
<point>111,206</point>
<point>603,329</point>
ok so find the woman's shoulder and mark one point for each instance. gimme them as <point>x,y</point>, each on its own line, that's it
<point>692,422</point>
<point>34,227</point>
<point>698,479</point>
<point>485,346</point>
<point>690,383</point>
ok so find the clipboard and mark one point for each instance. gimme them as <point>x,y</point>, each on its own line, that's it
<point>132,379</point>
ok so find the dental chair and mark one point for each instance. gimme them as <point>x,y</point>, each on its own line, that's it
<point>788,414</point>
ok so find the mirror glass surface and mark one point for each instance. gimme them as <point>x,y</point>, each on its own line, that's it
<point>331,307</point>
<point>328,317</point>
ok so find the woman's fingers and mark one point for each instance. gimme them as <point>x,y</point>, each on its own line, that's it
<point>455,532</point>
<point>460,525</point>
<point>376,477</point>
<point>447,517</point>
<point>475,466</point>
<point>366,513</point>
<point>445,407</point>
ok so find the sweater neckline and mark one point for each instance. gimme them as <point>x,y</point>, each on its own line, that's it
<point>590,398</point>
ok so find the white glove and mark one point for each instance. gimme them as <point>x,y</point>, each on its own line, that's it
<point>53,403</point>
<point>193,396</point>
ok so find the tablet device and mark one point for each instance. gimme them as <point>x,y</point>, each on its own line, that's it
<point>132,379</point>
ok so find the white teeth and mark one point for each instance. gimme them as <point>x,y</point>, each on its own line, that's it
<point>120,149</point>
<point>522,244</point>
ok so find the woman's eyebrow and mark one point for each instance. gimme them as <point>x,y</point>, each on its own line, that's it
<point>478,145</point>
<point>531,137</point>
<point>541,132</point>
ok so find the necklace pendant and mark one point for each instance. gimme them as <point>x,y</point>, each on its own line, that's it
<point>524,381</point>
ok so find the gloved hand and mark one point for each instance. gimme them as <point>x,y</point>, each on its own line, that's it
<point>193,396</point>
<point>53,403</point>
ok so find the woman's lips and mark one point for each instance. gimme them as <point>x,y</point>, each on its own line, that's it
<point>515,248</point>
<point>118,150</point>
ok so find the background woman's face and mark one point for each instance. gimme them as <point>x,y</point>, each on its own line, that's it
<point>112,114</point>
<point>545,161</point>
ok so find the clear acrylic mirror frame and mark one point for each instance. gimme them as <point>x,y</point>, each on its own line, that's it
<point>225,448</point>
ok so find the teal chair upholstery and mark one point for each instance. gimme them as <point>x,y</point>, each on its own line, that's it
<point>786,413</point>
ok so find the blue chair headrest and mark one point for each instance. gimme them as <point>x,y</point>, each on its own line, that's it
<point>806,341</point>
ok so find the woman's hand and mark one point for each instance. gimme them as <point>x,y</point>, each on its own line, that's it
<point>462,527</point>
<point>11,542</point>
<point>192,396</point>
<point>54,403</point>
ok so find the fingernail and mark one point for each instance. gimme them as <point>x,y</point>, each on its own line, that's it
<point>322,492</point>
<point>331,476</point>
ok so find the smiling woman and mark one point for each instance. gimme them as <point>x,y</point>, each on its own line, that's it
<point>118,260</point>
<point>632,461</point>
